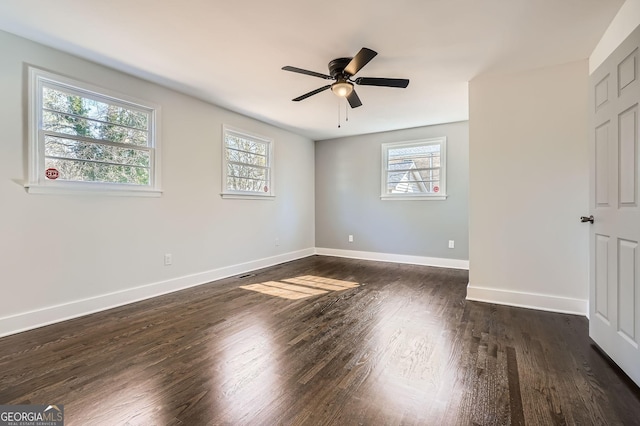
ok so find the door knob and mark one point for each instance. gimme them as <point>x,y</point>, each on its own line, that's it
<point>584,219</point>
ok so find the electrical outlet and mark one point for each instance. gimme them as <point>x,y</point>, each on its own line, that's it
<point>350,238</point>
<point>277,242</point>
<point>452,244</point>
<point>168,259</point>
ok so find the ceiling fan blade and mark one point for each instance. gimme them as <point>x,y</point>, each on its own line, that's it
<point>313,92</point>
<point>307,72</point>
<point>386,82</point>
<point>360,60</point>
<point>354,100</point>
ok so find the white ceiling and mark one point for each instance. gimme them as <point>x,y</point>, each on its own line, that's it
<point>230,52</point>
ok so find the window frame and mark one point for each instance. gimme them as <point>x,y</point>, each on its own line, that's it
<point>39,184</point>
<point>441,195</point>
<point>249,195</point>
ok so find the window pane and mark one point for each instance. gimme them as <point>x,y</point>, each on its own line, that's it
<point>415,157</point>
<point>246,178</point>
<point>73,149</point>
<point>250,146</point>
<point>414,175</point>
<point>414,151</point>
<point>415,163</point>
<point>60,101</point>
<point>421,181</point>
<point>84,171</point>
<point>405,188</point>
<point>240,184</point>
<point>413,187</point>
<point>246,157</point>
<point>70,125</point>
<point>248,172</point>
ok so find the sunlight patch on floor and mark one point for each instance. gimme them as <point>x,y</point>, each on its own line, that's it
<point>300,287</point>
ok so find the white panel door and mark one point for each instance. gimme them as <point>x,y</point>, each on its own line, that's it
<point>614,298</point>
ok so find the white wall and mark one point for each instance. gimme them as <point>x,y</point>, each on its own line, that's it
<point>348,172</point>
<point>528,174</point>
<point>66,255</point>
<point>623,24</point>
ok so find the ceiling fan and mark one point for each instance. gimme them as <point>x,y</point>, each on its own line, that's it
<point>341,70</point>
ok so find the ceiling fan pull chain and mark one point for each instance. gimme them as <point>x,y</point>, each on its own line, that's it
<point>346,110</point>
<point>338,115</point>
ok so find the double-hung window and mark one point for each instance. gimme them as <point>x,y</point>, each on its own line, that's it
<point>84,138</point>
<point>414,170</point>
<point>247,169</point>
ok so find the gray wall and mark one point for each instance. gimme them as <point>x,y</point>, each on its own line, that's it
<point>348,198</point>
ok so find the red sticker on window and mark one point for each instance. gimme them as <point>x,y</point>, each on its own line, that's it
<point>52,173</point>
<point>436,189</point>
<point>266,189</point>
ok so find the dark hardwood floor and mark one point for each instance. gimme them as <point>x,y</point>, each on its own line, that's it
<point>402,347</point>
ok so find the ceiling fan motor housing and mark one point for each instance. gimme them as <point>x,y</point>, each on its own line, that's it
<point>337,66</point>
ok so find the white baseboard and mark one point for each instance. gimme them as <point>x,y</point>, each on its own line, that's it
<point>395,258</point>
<point>51,314</point>
<point>542,302</point>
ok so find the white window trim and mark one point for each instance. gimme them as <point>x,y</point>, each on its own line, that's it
<point>440,196</point>
<point>38,184</point>
<point>246,195</point>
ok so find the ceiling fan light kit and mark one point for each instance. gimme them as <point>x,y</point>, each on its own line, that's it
<point>342,88</point>
<point>341,70</point>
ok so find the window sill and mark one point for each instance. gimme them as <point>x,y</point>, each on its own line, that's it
<point>413,197</point>
<point>93,190</point>
<point>227,196</point>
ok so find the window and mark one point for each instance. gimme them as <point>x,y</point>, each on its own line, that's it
<point>247,169</point>
<point>85,139</point>
<point>414,170</point>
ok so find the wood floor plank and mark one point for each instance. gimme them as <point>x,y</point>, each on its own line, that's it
<point>515,396</point>
<point>383,344</point>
